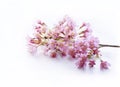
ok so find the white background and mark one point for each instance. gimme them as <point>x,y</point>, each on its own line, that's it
<point>19,69</point>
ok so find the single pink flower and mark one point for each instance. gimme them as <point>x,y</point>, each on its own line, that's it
<point>40,22</point>
<point>85,25</point>
<point>82,63</point>
<point>72,52</point>
<point>63,54</point>
<point>32,48</point>
<point>104,65</point>
<point>53,54</point>
<point>35,41</point>
<point>91,63</point>
<point>40,27</point>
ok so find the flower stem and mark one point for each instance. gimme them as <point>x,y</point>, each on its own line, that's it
<point>106,45</point>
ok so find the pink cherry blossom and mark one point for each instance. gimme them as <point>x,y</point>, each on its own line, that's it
<point>63,54</point>
<point>65,40</point>
<point>104,65</point>
<point>32,48</point>
<point>71,52</point>
<point>82,63</point>
<point>91,63</point>
<point>53,54</point>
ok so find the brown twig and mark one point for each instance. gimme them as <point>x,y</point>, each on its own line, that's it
<point>106,45</point>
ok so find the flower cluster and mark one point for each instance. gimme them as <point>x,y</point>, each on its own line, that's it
<point>66,41</point>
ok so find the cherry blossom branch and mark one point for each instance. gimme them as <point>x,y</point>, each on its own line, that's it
<point>66,41</point>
